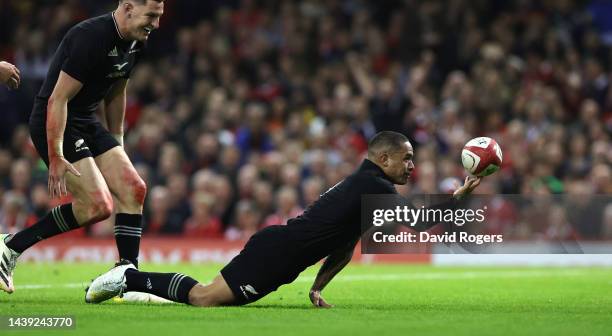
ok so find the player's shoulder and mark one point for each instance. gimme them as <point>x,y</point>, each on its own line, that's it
<point>371,184</point>
<point>94,29</point>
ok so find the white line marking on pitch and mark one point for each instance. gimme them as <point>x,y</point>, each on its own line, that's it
<point>384,277</point>
<point>444,275</point>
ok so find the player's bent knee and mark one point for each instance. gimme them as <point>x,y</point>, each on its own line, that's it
<point>100,205</point>
<point>139,190</point>
<point>92,206</point>
<point>132,190</point>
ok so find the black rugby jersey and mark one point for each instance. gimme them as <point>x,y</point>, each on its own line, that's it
<point>94,53</point>
<point>334,219</point>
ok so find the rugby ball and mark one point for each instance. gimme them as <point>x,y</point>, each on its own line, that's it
<point>481,156</point>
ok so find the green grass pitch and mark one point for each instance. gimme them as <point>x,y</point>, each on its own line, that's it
<point>369,300</point>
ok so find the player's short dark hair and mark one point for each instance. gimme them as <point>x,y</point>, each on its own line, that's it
<point>140,2</point>
<point>386,141</point>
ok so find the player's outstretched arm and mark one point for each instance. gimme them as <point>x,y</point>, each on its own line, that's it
<point>57,112</point>
<point>334,263</point>
<point>114,109</point>
<point>9,75</point>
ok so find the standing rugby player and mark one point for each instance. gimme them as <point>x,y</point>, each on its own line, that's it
<point>90,67</point>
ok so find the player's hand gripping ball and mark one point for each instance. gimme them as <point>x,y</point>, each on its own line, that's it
<point>481,156</point>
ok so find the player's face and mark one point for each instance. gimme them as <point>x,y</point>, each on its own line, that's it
<point>398,165</point>
<point>144,19</point>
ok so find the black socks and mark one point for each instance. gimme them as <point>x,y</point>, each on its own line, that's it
<point>171,286</point>
<point>60,219</point>
<point>128,229</point>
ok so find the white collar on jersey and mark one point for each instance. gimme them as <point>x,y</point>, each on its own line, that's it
<point>133,45</point>
<point>117,26</point>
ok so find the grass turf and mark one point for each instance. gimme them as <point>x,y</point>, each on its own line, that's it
<point>369,300</point>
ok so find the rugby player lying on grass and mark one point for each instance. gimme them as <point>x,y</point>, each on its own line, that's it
<point>276,255</point>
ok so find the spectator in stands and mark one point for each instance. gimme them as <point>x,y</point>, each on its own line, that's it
<point>284,94</point>
<point>287,206</point>
<point>203,223</point>
<point>13,215</point>
<point>247,221</point>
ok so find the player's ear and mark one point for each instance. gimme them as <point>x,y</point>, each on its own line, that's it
<point>384,159</point>
<point>128,7</point>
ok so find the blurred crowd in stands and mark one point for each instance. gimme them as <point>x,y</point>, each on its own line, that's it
<point>244,112</point>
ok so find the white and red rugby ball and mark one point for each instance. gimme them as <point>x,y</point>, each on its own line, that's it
<point>481,156</point>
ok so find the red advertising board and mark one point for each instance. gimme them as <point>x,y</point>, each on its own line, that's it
<point>170,250</point>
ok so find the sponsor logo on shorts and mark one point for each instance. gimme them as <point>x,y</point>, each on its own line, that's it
<point>78,145</point>
<point>249,289</point>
